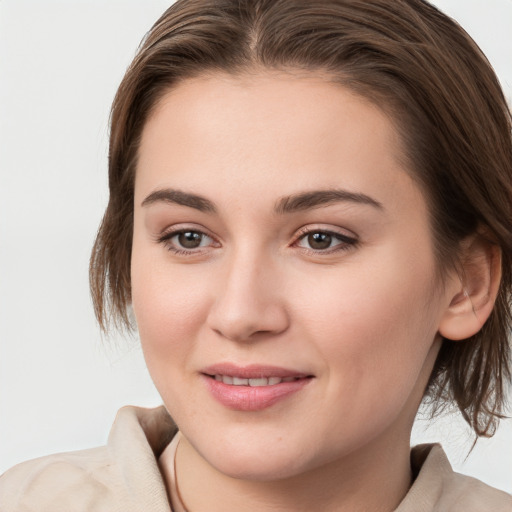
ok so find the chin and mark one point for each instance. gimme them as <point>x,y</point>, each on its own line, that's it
<point>248,469</point>
<point>275,459</point>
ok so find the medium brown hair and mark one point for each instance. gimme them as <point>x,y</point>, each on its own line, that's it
<point>409,59</point>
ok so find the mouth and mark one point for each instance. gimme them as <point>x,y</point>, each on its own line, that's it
<point>255,382</point>
<point>252,388</point>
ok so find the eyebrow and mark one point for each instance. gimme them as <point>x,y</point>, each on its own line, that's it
<point>314,199</point>
<point>288,204</point>
<point>168,195</point>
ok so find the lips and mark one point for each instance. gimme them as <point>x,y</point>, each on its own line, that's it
<point>254,387</point>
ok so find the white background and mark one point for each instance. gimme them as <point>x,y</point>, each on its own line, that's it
<point>60,383</point>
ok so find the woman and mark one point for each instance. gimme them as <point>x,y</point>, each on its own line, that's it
<point>310,214</point>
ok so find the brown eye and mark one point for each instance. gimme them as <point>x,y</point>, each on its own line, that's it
<point>319,241</point>
<point>190,239</point>
<point>326,241</point>
<point>187,241</point>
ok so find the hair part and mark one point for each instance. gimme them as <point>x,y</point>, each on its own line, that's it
<point>406,57</point>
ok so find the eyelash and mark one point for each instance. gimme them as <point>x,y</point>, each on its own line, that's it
<point>345,242</point>
<point>166,240</point>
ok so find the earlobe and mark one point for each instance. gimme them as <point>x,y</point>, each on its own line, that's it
<point>473,296</point>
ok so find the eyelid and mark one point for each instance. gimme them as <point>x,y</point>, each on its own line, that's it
<point>322,228</point>
<point>347,240</point>
<point>166,236</point>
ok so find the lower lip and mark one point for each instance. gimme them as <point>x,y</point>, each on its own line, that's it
<point>248,398</point>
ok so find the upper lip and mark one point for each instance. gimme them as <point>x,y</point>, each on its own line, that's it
<point>252,371</point>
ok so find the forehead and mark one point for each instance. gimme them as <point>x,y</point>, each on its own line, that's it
<point>266,134</point>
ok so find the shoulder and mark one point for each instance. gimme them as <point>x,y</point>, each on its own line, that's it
<point>438,487</point>
<point>61,481</point>
<point>466,494</point>
<point>121,476</point>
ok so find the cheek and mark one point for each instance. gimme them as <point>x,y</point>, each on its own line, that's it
<point>374,325</point>
<point>169,305</point>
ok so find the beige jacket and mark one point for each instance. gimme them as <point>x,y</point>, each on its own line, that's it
<point>123,476</point>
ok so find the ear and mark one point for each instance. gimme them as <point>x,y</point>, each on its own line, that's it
<point>474,291</point>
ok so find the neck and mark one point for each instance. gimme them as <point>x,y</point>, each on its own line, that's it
<point>373,479</point>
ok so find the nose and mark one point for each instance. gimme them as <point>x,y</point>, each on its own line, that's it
<point>249,303</point>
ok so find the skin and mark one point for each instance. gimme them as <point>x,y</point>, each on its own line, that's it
<point>363,318</point>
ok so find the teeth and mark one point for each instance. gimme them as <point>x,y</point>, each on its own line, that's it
<point>258,382</point>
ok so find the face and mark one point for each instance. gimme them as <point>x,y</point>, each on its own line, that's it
<point>283,276</point>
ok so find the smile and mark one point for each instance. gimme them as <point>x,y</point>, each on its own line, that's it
<point>252,388</point>
<point>256,382</point>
